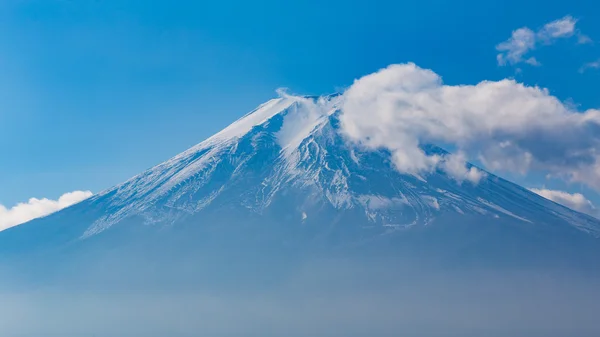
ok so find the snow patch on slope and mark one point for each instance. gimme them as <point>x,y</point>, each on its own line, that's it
<point>501,210</point>
<point>302,119</point>
<point>376,202</point>
<point>260,115</point>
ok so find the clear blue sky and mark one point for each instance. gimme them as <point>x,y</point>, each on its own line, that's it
<point>93,92</point>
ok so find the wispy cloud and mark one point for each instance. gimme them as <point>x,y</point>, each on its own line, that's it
<point>564,27</point>
<point>36,208</point>
<point>576,201</point>
<point>524,40</point>
<point>584,39</point>
<point>513,50</point>
<point>506,125</point>
<point>590,65</point>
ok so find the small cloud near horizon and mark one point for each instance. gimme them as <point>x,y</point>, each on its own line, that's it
<point>36,208</point>
<point>575,201</point>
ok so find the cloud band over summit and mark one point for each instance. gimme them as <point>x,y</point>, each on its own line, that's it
<point>505,125</point>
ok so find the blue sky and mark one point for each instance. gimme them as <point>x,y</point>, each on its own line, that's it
<point>93,92</point>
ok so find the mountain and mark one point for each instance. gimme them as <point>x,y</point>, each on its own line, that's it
<point>289,164</point>
<point>283,187</point>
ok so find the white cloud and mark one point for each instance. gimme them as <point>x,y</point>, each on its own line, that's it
<point>506,125</point>
<point>576,201</point>
<point>36,208</point>
<point>590,65</point>
<point>524,40</point>
<point>455,165</point>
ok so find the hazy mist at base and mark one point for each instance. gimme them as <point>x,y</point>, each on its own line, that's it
<point>310,297</point>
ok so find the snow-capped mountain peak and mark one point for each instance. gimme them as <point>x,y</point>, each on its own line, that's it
<point>293,148</point>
